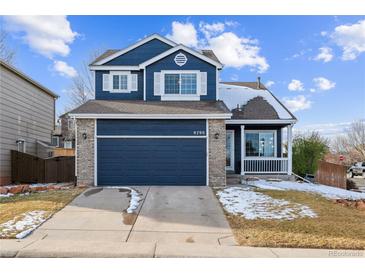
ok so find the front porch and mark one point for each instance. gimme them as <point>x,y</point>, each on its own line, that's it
<point>258,149</point>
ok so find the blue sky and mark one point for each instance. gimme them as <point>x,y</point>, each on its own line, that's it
<point>324,55</point>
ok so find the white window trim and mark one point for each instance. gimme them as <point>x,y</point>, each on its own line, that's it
<point>118,73</point>
<point>259,131</point>
<point>180,97</point>
<point>231,167</point>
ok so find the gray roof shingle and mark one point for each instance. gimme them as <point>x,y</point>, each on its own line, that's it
<point>151,107</point>
<point>255,109</point>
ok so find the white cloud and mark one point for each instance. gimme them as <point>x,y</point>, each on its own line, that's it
<point>297,103</point>
<point>323,83</point>
<point>296,85</point>
<point>211,29</point>
<point>184,33</point>
<point>234,77</point>
<point>351,38</point>
<point>312,90</point>
<point>327,130</point>
<point>269,84</point>
<point>231,50</point>
<point>47,35</point>
<point>238,52</point>
<point>324,33</point>
<point>325,54</point>
<point>64,69</point>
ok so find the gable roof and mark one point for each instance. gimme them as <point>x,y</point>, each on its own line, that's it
<point>210,54</point>
<point>110,55</point>
<point>241,94</point>
<point>28,79</point>
<point>184,48</point>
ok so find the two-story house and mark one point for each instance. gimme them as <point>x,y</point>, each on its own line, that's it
<point>159,118</point>
<point>27,117</point>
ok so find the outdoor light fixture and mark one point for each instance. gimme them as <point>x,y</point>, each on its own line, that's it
<point>84,136</point>
<point>216,136</point>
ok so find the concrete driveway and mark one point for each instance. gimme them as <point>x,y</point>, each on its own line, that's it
<point>165,215</point>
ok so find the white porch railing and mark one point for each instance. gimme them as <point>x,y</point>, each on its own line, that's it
<point>265,165</point>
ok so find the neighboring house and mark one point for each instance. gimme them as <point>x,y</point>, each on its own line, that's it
<point>157,119</point>
<point>64,135</point>
<point>27,117</point>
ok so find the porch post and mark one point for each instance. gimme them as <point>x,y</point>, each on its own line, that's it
<point>289,140</point>
<point>243,148</point>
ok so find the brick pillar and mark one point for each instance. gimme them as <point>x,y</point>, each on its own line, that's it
<point>85,151</point>
<point>217,152</point>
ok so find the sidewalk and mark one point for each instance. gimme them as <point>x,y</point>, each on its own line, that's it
<point>102,249</point>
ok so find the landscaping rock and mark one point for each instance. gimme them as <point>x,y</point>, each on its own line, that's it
<point>3,190</point>
<point>16,189</point>
<point>360,205</point>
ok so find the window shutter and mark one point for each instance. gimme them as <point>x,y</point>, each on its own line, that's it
<point>157,84</point>
<point>134,82</point>
<point>203,83</point>
<point>106,82</point>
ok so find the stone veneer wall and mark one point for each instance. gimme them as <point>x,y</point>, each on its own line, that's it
<point>217,153</point>
<point>85,152</point>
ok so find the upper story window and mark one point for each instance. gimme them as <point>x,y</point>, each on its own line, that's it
<point>120,81</point>
<point>180,83</point>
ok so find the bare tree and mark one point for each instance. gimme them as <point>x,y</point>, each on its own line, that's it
<point>352,144</point>
<point>82,86</point>
<point>7,54</point>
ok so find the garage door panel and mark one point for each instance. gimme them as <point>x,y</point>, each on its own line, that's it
<point>151,161</point>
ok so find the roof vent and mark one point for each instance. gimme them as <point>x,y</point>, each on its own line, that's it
<point>259,82</point>
<point>180,59</point>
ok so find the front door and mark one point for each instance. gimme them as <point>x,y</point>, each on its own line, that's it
<point>230,150</point>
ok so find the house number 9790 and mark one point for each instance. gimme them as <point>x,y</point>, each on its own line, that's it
<point>199,132</point>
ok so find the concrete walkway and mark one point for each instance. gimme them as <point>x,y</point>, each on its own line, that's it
<point>170,222</point>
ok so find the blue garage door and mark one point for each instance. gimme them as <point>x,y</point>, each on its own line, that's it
<point>151,152</point>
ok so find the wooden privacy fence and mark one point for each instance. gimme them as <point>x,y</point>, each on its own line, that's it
<point>27,168</point>
<point>331,174</point>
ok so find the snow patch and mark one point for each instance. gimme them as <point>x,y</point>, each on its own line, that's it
<point>232,95</point>
<point>6,195</point>
<point>135,198</point>
<point>254,205</point>
<point>328,192</point>
<point>24,226</point>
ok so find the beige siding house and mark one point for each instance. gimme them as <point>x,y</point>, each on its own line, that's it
<point>27,116</point>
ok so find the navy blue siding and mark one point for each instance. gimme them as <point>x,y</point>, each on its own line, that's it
<point>151,161</point>
<point>106,95</point>
<point>237,141</point>
<point>140,54</point>
<point>193,63</point>
<point>151,127</point>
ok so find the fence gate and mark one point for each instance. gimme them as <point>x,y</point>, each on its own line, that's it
<point>331,174</point>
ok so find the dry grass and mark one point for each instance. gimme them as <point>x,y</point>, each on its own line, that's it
<point>335,227</point>
<point>50,201</point>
